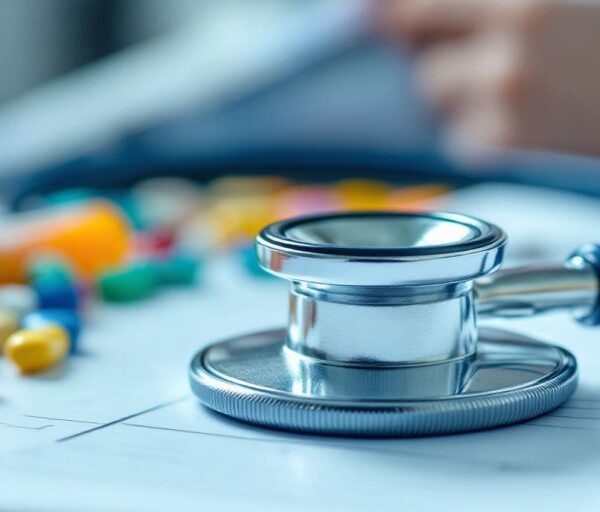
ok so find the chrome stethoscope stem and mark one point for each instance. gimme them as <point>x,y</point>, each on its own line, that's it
<point>382,325</point>
<point>529,291</point>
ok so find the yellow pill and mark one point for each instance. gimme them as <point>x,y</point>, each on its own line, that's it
<point>358,194</point>
<point>241,217</point>
<point>9,323</point>
<point>34,350</point>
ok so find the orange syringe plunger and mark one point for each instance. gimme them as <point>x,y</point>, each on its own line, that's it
<point>92,236</point>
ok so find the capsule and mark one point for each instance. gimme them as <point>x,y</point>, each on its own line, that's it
<point>298,201</point>
<point>153,244</point>
<point>66,318</point>
<point>35,350</point>
<point>361,194</point>
<point>164,203</point>
<point>128,284</point>
<point>9,323</point>
<point>57,295</point>
<point>93,236</point>
<point>179,270</point>
<point>50,269</point>
<point>18,298</point>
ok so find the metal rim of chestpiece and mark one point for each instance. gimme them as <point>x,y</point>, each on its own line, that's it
<point>382,338</point>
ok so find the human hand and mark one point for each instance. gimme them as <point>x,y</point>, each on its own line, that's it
<point>507,73</point>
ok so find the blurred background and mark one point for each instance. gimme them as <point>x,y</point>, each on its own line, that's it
<point>128,88</point>
<point>101,96</point>
<point>104,93</point>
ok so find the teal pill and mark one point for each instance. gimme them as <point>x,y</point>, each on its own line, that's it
<point>71,195</point>
<point>128,284</point>
<point>50,270</point>
<point>178,270</point>
<point>127,204</point>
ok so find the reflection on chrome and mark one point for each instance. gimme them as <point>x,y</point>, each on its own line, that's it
<point>382,231</point>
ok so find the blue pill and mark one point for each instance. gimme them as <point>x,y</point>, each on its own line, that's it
<point>56,295</point>
<point>66,318</point>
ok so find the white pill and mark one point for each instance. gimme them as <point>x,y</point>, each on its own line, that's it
<point>18,298</point>
<point>166,202</point>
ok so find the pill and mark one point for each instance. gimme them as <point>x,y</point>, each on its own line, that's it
<point>248,185</point>
<point>66,318</point>
<point>134,282</point>
<point>18,298</point>
<point>241,218</point>
<point>166,202</point>
<point>57,295</point>
<point>154,243</point>
<point>93,236</point>
<point>199,235</point>
<point>242,206</point>
<point>34,350</point>
<point>128,207</point>
<point>307,200</point>
<point>9,323</point>
<point>362,194</point>
<point>418,196</point>
<point>177,270</point>
<point>50,269</point>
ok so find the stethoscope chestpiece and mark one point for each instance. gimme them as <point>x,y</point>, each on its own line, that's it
<point>381,249</point>
<point>382,338</point>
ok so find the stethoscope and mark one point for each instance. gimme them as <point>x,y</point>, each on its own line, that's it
<point>382,338</point>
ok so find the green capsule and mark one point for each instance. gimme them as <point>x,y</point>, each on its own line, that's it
<point>177,270</point>
<point>128,284</point>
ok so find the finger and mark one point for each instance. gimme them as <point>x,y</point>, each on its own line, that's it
<point>480,132</point>
<point>446,75</point>
<point>457,73</point>
<point>427,20</point>
<point>421,20</point>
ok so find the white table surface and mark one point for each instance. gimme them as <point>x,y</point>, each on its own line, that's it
<point>116,428</point>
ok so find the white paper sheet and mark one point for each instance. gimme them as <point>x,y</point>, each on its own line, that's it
<point>118,429</point>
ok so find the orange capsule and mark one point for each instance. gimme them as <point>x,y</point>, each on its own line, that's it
<point>93,236</point>
<point>418,197</point>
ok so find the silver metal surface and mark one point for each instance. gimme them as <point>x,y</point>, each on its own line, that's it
<point>477,250</point>
<point>381,325</point>
<point>256,378</point>
<point>530,291</point>
<point>422,308</point>
<point>382,337</point>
